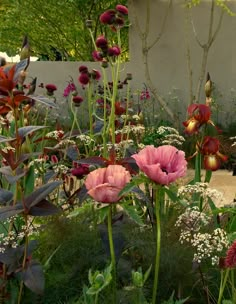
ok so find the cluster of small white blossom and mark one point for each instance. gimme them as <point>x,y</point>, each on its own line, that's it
<point>173,139</point>
<point>41,160</point>
<point>164,129</point>
<point>8,148</point>
<point>65,143</point>
<point>13,238</point>
<point>209,245</point>
<point>59,168</point>
<point>192,220</point>
<point>141,146</point>
<point>124,144</point>
<point>202,189</point>
<point>85,139</point>
<point>234,139</point>
<point>136,117</point>
<point>135,129</point>
<point>55,134</point>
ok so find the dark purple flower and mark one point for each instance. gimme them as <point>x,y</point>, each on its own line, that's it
<point>114,51</point>
<point>84,78</point>
<point>101,42</point>
<point>122,9</point>
<point>80,171</point>
<point>95,74</point>
<point>83,69</point>
<point>108,17</point>
<point>50,89</point>
<point>77,100</point>
<point>97,56</point>
<point>119,22</point>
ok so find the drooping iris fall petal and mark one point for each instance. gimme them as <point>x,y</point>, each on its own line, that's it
<point>212,157</point>
<point>163,165</point>
<point>199,114</point>
<point>104,184</point>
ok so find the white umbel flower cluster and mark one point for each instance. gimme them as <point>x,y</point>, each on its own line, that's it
<point>206,245</point>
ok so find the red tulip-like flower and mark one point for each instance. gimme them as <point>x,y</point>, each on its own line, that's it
<point>212,157</point>
<point>230,260</point>
<point>163,165</point>
<point>104,184</point>
<point>199,114</point>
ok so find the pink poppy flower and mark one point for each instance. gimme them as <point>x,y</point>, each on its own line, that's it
<point>163,165</point>
<point>104,184</point>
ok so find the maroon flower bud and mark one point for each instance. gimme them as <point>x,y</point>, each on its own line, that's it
<point>80,171</point>
<point>83,79</point>
<point>97,56</point>
<point>101,42</point>
<point>77,100</point>
<point>108,17</point>
<point>119,22</point>
<point>83,69</point>
<point>122,9</point>
<point>54,159</point>
<point>104,63</point>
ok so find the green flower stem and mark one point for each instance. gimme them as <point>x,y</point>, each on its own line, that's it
<point>115,78</point>
<point>112,253</point>
<point>224,277</point>
<point>158,245</point>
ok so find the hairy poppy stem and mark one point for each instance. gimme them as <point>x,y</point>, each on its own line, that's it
<point>158,246</point>
<point>112,253</point>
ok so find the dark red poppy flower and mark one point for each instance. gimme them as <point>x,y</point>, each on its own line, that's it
<point>122,9</point>
<point>212,157</point>
<point>199,114</point>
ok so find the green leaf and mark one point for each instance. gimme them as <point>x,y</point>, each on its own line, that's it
<point>133,213</point>
<point>29,181</point>
<point>40,194</point>
<point>10,176</point>
<point>172,195</point>
<point>33,277</point>
<point>146,274</point>
<point>208,176</point>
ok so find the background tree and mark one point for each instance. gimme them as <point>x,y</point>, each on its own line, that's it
<point>56,28</point>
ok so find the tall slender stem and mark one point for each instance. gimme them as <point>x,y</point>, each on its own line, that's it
<point>158,246</point>
<point>112,253</point>
<point>222,284</point>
